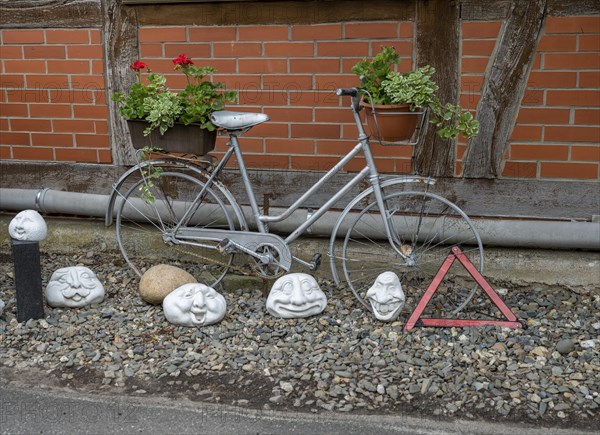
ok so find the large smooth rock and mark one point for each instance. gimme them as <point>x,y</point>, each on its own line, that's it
<point>1,307</point>
<point>160,280</point>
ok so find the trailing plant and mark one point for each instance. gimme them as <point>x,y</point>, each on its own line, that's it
<point>382,85</point>
<point>150,174</point>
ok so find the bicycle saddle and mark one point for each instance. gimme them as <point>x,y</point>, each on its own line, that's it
<point>237,120</point>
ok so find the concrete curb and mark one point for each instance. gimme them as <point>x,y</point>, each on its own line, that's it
<point>35,408</point>
<point>576,270</point>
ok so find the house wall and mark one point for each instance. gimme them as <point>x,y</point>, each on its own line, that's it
<point>556,133</point>
<point>291,73</point>
<point>53,107</point>
<point>52,101</point>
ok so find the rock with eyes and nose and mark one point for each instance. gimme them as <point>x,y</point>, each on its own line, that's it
<point>194,305</point>
<point>386,297</point>
<point>74,287</point>
<point>28,225</point>
<point>296,295</point>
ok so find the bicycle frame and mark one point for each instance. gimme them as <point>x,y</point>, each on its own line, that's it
<point>261,220</point>
<point>203,231</point>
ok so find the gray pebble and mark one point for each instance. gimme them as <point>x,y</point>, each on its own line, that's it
<point>565,346</point>
<point>341,361</point>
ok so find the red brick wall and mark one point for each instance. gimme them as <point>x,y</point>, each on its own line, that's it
<point>557,131</point>
<point>52,105</point>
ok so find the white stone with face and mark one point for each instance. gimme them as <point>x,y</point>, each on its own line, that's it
<point>74,287</point>
<point>386,297</point>
<point>194,304</point>
<point>296,295</point>
<point>28,225</point>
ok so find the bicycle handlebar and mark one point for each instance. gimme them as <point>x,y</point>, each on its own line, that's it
<point>351,92</point>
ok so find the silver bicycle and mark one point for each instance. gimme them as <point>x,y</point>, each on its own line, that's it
<point>395,224</point>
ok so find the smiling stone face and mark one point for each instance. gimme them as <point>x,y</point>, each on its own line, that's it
<point>194,305</point>
<point>296,295</point>
<point>386,297</point>
<point>28,225</point>
<point>74,287</point>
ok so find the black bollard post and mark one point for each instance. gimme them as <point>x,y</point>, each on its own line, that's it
<point>28,280</point>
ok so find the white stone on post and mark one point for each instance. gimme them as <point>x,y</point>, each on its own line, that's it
<point>74,287</point>
<point>28,225</point>
<point>26,230</point>
<point>386,297</point>
<point>194,305</point>
<point>296,295</point>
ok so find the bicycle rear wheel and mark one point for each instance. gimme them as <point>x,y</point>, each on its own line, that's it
<point>424,227</point>
<point>144,228</point>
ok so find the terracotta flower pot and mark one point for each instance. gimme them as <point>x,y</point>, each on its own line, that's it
<point>188,139</point>
<point>390,123</point>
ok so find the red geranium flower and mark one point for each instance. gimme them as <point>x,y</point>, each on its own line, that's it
<point>182,60</point>
<point>137,65</point>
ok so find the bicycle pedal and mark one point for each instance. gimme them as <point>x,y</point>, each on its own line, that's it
<point>225,246</point>
<point>315,262</point>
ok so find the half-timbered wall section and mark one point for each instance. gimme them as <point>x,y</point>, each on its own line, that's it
<point>289,72</point>
<point>528,69</point>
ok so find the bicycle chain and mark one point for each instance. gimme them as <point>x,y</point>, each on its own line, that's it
<point>216,262</point>
<point>230,267</point>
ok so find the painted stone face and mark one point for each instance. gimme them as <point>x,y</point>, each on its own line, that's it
<point>296,295</point>
<point>74,287</point>
<point>194,305</point>
<point>28,225</point>
<point>386,297</point>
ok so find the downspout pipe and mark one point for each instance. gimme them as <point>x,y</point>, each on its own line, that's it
<point>514,233</point>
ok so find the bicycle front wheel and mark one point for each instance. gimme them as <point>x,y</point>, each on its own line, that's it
<point>424,226</point>
<point>145,227</point>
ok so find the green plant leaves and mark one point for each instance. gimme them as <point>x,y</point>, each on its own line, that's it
<point>155,103</point>
<point>150,174</point>
<point>382,85</point>
<point>373,72</point>
<point>415,88</point>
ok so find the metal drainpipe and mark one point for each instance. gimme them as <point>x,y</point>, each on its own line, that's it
<point>493,232</point>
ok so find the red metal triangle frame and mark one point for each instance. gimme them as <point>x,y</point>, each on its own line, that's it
<point>457,254</point>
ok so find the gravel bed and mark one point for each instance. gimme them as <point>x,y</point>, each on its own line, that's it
<point>342,360</point>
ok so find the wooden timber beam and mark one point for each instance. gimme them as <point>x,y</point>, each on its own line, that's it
<point>50,13</point>
<point>273,12</point>
<point>120,46</point>
<point>537,199</point>
<point>438,44</point>
<point>504,88</point>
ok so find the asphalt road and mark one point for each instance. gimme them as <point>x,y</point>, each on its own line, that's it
<point>26,410</point>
